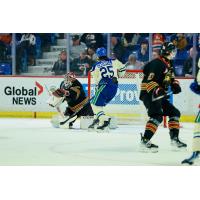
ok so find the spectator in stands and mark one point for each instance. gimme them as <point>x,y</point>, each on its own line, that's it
<point>133,63</point>
<point>155,54</point>
<point>143,36</point>
<point>25,52</point>
<point>95,39</point>
<point>5,41</point>
<point>91,53</point>
<point>117,48</point>
<point>81,65</point>
<point>188,64</point>
<point>180,41</point>
<point>130,39</point>
<point>47,39</point>
<point>60,66</point>
<point>198,44</point>
<point>77,47</point>
<point>157,40</point>
<point>143,53</point>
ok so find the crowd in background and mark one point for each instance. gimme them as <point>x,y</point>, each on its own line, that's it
<point>130,49</point>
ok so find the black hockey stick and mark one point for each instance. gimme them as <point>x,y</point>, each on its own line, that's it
<point>163,96</point>
<point>75,113</point>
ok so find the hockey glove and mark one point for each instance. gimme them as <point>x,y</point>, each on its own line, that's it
<point>168,79</point>
<point>195,87</point>
<point>175,86</point>
<point>61,93</point>
<point>158,92</point>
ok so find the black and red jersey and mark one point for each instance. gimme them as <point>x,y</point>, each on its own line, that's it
<point>157,73</point>
<point>77,96</point>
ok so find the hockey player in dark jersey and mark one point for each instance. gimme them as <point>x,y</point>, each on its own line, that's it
<point>158,77</point>
<point>71,90</point>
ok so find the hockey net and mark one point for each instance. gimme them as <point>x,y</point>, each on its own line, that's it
<point>125,106</point>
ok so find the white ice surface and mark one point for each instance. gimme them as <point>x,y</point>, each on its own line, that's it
<point>35,142</point>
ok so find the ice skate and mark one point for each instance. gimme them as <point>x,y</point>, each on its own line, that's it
<point>70,125</point>
<point>192,159</point>
<point>177,145</point>
<point>93,125</point>
<point>147,146</point>
<point>104,127</point>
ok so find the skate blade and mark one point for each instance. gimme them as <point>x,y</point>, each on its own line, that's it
<point>105,130</point>
<point>178,149</point>
<point>91,130</point>
<point>146,150</point>
<point>64,126</point>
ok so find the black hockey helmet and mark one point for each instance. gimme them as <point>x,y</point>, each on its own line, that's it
<point>167,48</point>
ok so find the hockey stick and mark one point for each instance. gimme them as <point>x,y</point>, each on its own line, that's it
<point>160,97</point>
<point>75,113</point>
<point>57,107</point>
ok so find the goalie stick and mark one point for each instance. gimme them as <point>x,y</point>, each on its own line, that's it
<point>163,96</point>
<point>57,107</point>
<point>75,113</point>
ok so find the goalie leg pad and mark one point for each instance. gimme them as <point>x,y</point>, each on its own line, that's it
<point>86,121</point>
<point>55,121</point>
<point>113,123</point>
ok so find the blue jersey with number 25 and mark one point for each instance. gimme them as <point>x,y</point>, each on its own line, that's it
<point>106,70</point>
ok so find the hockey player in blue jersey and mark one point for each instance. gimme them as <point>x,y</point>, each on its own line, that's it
<point>106,83</point>
<point>195,157</point>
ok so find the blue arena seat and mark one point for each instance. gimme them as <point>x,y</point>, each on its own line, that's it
<point>5,69</point>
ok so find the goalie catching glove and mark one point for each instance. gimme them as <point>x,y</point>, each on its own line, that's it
<point>57,97</point>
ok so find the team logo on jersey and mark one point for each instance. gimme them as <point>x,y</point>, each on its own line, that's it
<point>151,76</point>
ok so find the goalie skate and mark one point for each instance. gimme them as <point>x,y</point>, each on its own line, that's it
<point>68,124</point>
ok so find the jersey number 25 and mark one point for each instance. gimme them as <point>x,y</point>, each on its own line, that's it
<point>107,72</point>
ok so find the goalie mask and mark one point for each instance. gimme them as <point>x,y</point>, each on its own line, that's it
<point>68,79</point>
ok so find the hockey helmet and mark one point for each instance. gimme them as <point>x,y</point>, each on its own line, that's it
<point>101,52</point>
<point>167,48</point>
